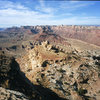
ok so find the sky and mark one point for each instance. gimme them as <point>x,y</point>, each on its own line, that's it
<point>48,12</point>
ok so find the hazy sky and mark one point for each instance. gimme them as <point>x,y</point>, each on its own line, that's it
<point>49,12</point>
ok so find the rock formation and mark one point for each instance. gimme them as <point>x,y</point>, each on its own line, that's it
<point>72,76</point>
<point>15,85</point>
<point>12,78</point>
<point>50,63</point>
<point>6,94</point>
<point>89,34</point>
<point>15,40</point>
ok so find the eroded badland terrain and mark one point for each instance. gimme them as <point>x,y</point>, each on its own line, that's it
<point>50,63</point>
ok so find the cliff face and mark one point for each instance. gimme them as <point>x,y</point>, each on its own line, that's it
<point>15,85</point>
<point>89,34</point>
<point>72,76</point>
<point>12,78</point>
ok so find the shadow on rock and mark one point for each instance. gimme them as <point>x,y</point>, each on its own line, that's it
<point>12,78</point>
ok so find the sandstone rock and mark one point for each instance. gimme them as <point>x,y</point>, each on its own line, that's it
<point>6,94</point>
<point>75,96</point>
<point>62,72</point>
<point>12,78</point>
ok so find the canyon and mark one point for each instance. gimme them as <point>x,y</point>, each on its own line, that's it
<point>50,63</point>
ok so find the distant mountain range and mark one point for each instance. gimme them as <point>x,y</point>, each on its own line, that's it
<point>89,34</point>
<point>19,38</point>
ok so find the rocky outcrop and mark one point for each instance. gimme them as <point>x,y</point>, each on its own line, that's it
<point>49,71</point>
<point>6,94</point>
<point>18,86</point>
<point>12,78</point>
<point>41,54</point>
<point>72,76</point>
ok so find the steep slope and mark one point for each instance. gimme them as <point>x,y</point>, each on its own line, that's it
<point>72,76</point>
<point>15,85</point>
<point>12,78</point>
